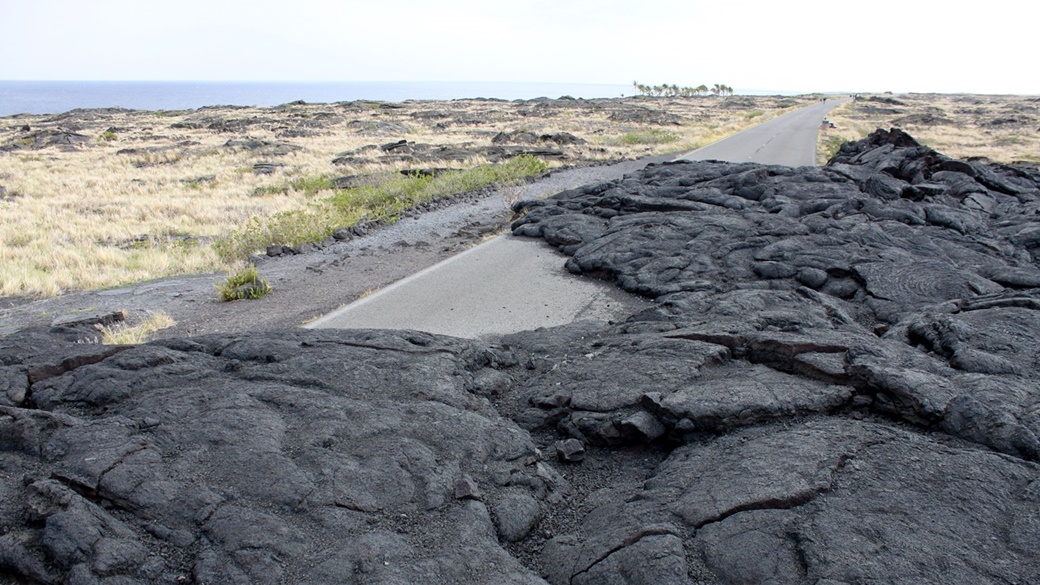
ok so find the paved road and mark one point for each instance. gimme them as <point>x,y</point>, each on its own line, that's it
<point>514,284</point>
<point>786,140</point>
<point>503,286</point>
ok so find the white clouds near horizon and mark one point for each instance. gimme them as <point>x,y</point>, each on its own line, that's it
<point>799,45</point>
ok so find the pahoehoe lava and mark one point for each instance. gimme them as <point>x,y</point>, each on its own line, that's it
<point>838,382</point>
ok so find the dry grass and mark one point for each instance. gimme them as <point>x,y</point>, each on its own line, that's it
<point>1003,129</point>
<point>152,190</point>
<point>123,334</point>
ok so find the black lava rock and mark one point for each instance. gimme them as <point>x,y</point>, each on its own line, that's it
<point>837,382</point>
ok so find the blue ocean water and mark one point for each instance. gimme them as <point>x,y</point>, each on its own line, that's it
<point>53,97</point>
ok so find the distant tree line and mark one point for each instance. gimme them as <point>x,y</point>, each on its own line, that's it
<point>676,91</point>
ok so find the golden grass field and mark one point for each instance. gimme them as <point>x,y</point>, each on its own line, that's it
<point>143,195</point>
<point>1003,129</point>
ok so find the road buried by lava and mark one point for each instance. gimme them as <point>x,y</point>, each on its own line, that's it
<point>836,382</point>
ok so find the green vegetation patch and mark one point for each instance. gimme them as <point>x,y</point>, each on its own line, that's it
<point>829,147</point>
<point>381,200</point>
<point>652,136</point>
<point>243,284</point>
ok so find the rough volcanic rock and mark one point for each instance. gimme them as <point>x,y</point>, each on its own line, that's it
<point>827,347</point>
<point>562,138</point>
<point>65,138</point>
<point>501,153</point>
<point>883,100</point>
<point>639,115</point>
<point>267,168</point>
<point>515,137</point>
<point>817,501</point>
<point>378,127</point>
<point>837,383</point>
<point>505,146</point>
<point>525,137</point>
<point>301,456</point>
<point>263,146</point>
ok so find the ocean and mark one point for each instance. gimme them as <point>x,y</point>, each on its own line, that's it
<point>54,97</point>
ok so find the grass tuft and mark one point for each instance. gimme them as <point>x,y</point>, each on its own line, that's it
<point>243,284</point>
<point>123,334</point>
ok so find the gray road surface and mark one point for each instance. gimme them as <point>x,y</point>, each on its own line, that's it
<point>786,140</point>
<point>505,285</point>
<point>514,284</point>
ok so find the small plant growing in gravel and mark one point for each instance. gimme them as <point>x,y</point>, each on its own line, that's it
<point>243,284</point>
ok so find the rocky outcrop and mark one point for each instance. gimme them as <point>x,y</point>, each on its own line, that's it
<point>525,137</point>
<point>837,383</point>
<point>827,346</point>
<point>645,116</point>
<point>61,138</point>
<point>504,146</point>
<point>263,146</point>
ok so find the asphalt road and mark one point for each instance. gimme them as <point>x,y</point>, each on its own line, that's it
<point>786,140</point>
<point>502,286</point>
<point>513,284</point>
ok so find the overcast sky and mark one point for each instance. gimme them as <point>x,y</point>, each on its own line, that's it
<point>793,45</point>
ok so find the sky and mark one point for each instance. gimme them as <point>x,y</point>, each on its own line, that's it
<point>791,46</point>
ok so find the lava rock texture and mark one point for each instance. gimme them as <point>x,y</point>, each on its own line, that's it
<point>839,382</point>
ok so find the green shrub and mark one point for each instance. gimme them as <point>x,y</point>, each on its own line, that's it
<point>243,284</point>
<point>381,200</point>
